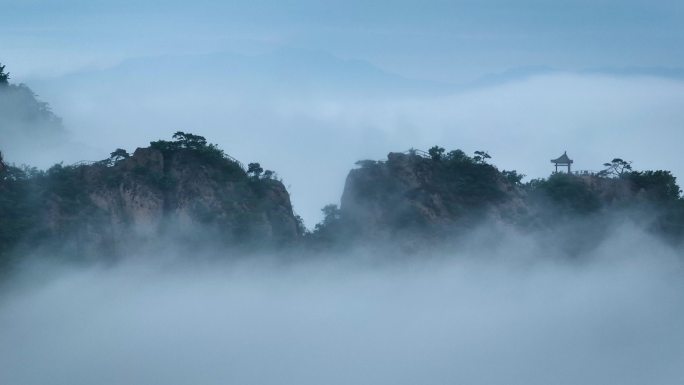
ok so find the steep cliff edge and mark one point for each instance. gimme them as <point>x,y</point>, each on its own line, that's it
<point>189,191</point>
<point>410,192</point>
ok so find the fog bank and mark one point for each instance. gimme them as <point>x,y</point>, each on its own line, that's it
<point>311,122</point>
<point>506,314</point>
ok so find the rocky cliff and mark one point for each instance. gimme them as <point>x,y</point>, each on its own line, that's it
<point>193,194</point>
<point>410,192</point>
<point>188,193</point>
<point>441,194</point>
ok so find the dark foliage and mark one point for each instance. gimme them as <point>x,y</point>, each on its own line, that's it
<point>4,76</point>
<point>254,170</point>
<point>567,193</point>
<point>658,186</point>
<point>119,154</point>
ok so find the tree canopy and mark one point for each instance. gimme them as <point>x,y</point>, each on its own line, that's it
<point>616,168</point>
<point>187,140</point>
<point>119,154</point>
<point>254,169</point>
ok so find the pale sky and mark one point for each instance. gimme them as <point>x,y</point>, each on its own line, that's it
<point>438,40</point>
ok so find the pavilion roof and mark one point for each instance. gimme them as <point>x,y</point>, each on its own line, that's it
<point>563,159</point>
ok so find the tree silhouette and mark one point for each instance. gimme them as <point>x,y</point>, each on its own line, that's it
<point>436,152</point>
<point>616,168</point>
<point>254,169</point>
<point>4,76</point>
<point>331,213</point>
<point>513,177</point>
<point>188,140</point>
<point>118,154</point>
<point>457,156</point>
<point>481,157</point>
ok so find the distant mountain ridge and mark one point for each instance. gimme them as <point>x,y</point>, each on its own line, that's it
<point>290,69</point>
<point>314,71</point>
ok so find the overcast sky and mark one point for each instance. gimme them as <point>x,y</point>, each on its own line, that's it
<point>308,87</point>
<point>439,40</point>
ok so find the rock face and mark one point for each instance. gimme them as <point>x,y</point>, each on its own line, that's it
<point>184,193</point>
<point>415,193</point>
<point>412,197</point>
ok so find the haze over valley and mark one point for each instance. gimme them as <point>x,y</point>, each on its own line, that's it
<point>341,192</point>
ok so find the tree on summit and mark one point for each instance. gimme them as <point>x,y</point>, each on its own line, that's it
<point>190,141</point>
<point>118,155</point>
<point>617,168</point>
<point>436,153</point>
<point>481,157</point>
<point>254,169</point>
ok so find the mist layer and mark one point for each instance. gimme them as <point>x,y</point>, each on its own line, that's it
<point>512,314</point>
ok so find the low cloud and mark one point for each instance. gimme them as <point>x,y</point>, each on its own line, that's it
<point>510,313</point>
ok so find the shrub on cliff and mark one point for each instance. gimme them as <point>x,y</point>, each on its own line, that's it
<point>658,186</point>
<point>566,192</point>
<point>202,151</point>
<point>469,180</point>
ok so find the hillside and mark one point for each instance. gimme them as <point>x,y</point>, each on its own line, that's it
<point>27,124</point>
<point>415,197</point>
<point>185,189</point>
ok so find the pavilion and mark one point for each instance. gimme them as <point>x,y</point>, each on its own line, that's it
<point>562,161</point>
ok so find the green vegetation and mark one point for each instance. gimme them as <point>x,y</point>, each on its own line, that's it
<point>330,229</point>
<point>566,193</point>
<point>618,186</point>
<point>656,186</point>
<point>195,149</point>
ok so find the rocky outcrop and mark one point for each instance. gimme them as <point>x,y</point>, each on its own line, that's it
<point>185,193</point>
<point>416,193</point>
<point>412,196</point>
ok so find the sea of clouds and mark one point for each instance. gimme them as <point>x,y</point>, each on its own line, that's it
<point>510,312</point>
